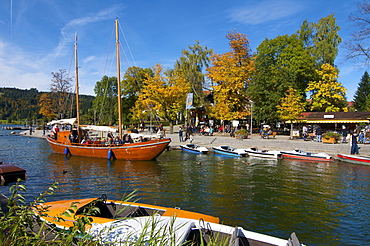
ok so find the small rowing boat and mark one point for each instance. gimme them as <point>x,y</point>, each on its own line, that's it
<point>356,159</point>
<point>303,155</point>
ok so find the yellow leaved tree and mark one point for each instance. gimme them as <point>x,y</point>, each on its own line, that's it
<point>47,106</point>
<point>327,94</point>
<point>291,107</point>
<point>230,74</point>
<point>163,94</point>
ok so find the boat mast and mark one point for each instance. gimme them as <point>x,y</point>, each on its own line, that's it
<point>118,82</point>
<point>77,92</point>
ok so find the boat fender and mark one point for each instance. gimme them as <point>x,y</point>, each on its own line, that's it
<point>110,154</point>
<point>66,151</point>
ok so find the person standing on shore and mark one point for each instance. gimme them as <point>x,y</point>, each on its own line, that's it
<point>318,133</point>
<point>344,134</point>
<point>180,134</point>
<point>354,146</point>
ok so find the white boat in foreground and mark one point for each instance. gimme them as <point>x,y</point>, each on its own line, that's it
<point>125,223</point>
<point>263,153</point>
<point>356,159</point>
<point>181,231</point>
<point>193,148</point>
<point>303,155</point>
<point>227,150</point>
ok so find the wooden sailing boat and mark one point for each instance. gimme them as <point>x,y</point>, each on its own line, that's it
<point>145,150</point>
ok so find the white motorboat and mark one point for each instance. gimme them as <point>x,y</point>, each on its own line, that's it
<point>227,150</point>
<point>263,153</point>
<point>193,148</point>
<point>356,159</point>
<point>303,155</point>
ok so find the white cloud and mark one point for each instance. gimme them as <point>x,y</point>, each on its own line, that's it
<point>70,28</point>
<point>264,11</point>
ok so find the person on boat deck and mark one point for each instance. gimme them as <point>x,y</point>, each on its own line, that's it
<point>117,141</point>
<point>55,130</point>
<point>127,139</point>
<point>109,141</point>
<point>354,146</point>
<point>110,135</point>
<point>83,141</point>
<point>103,141</point>
<point>135,130</point>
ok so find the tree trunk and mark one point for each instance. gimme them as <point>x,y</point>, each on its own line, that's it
<point>171,127</point>
<point>291,130</point>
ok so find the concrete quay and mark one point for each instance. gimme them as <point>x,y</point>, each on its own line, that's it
<point>279,143</point>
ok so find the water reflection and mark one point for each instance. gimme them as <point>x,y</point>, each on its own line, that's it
<point>77,174</point>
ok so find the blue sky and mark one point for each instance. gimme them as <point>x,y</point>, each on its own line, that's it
<point>36,36</point>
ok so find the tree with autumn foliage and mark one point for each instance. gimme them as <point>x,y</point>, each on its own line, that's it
<point>163,94</point>
<point>230,74</point>
<point>47,107</point>
<point>291,106</point>
<point>327,94</point>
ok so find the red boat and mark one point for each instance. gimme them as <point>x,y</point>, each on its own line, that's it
<point>356,159</point>
<point>303,155</point>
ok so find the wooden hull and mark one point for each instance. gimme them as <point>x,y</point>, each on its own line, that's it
<point>135,151</point>
<point>356,159</point>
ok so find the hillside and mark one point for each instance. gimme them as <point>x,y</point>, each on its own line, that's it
<point>20,105</point>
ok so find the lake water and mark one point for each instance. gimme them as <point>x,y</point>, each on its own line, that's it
<point>324,203</point>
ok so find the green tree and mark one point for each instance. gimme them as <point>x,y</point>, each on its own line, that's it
<point>327,94</point>
<point>326,40</point>
<point>164,95</point>
<point>361,96</point>
<point>191,65</point>
<point>105,104</point>
<point>280,62</point>
<point>133,82</point>
<point>231,73</point>
<point>291,107</point>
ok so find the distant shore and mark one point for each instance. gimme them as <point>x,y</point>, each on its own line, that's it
<point>281,142</point>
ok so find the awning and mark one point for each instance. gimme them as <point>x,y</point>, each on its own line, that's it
<point>321,121</point>
<point>99,128</point>
<point>70,121</point>
<point>335,121</point>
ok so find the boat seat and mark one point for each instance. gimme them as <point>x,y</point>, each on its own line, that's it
<point>104,211</point>
<point>237,239</point>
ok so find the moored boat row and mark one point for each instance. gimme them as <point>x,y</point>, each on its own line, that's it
<point>256,152</point>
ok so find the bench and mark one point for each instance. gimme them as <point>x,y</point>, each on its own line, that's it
<point>268,136</point>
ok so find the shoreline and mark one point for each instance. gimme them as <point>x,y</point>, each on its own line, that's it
<point>281,142</point>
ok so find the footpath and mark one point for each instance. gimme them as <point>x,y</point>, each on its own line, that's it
<point>280,142</point>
